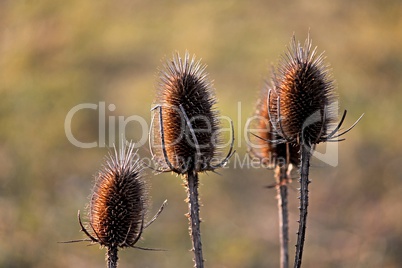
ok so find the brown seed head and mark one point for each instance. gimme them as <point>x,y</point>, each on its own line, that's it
<point>301,102</point>
<point>270,151</point>
<point>186,98</point>
<point>119,200</point>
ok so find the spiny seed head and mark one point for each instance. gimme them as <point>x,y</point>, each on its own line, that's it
<point>273,152</point>
<point>301,102</point>
<point>186,98</point>
<point>119,200</point>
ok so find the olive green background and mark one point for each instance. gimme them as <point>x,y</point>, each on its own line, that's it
<point>55,55</point>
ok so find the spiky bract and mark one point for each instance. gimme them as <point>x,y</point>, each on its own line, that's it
<point>186,97</point>
<point>301,102</point>
<point>119,200</point>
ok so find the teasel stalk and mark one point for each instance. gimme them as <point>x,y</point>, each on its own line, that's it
<point>187,131</point>
<point>118,204</point>
<point>281,157</point>
<point>301,108</point>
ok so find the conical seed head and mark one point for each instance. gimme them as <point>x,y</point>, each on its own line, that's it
<point>119,200</point>
<point>303,96</point>
<point>186,98</point>
<point>267,135</point>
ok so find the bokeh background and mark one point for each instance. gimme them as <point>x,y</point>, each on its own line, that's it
<point>55,55</point>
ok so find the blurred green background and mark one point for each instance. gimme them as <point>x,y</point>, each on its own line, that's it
<point>55,55</point>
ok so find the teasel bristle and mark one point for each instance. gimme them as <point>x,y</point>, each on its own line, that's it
<point>186,97</point>
<point>301,103</point>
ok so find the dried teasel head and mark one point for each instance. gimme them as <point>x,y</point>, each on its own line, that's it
<point>188,125</point>
<point>262,145</point>
<point>301,102</point>
<point>118,203</point>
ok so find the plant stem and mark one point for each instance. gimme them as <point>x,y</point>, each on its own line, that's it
<point>305,152</point>
<point>282,190</point>
<point>194,218</point>
<point>111,256</point>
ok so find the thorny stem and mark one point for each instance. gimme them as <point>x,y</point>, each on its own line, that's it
<point>194,218</point>
<point>282,190</point>
<point>111,257</point>
<point>305,152</point>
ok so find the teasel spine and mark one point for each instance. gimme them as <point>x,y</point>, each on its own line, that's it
<point>283,214</point>
<point>184,100</point>
<point>112,257</point>
<point>194,219</point>
<point>304,202</point>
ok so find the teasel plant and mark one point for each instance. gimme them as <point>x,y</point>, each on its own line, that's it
<point>185,139</point>
<point>118,204</point>
<point>302,107</point>
<point>281,157</point>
